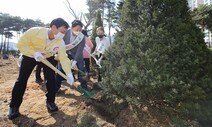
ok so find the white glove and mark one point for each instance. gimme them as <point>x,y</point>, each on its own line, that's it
<point>71,79</point>
<point>37,55</point>
<point>74,63</point>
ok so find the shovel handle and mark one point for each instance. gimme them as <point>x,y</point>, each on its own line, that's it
<point>47,63</point>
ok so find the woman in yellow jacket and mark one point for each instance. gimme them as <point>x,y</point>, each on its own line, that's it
<point>40,42</point>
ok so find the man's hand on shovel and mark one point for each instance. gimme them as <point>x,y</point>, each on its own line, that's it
<point>70,81</point>
<point>47,63</point>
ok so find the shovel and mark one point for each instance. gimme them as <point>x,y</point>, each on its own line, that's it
<point>81,90</point>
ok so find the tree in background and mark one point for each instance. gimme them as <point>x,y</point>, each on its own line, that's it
<point>117,14</point>
<point>203,16</point>
<point>105,7</point>
<point>10,23</point>
<point>6,25</point>
<point>98,23</point>
<point>8,36</point>
<point>91,15</point>
<point>18,26</point>
<point>111,16</point>
<point>87,17</point>
<point>159,60</point>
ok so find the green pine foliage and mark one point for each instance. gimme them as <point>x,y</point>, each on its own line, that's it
<point>203,16</point>
<point>159,58</point>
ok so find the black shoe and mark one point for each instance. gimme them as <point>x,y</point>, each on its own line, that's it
<point>39,80</point>
<point>13,113</point>
<point>51,106</point>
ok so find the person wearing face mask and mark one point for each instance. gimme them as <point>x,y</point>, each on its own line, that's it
<point>40,43</point>
<point>75,39</point>
<point>102,44</point>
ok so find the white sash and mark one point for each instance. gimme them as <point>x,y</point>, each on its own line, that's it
<point>101,48</point>
<point>75,42</point>
<point>56,48</point>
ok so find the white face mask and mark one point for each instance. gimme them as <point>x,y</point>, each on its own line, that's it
<point>59,35</point>
<point>76,33</point>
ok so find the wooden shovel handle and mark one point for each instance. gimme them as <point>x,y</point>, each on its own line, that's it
<point>47,63</point>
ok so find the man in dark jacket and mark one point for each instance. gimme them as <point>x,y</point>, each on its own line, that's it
<point>76,41</point>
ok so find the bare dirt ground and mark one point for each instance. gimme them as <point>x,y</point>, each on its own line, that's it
<point>73,110</point>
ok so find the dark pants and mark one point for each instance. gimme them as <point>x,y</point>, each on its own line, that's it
<point>87,65</point>
<point>80,66</point>
<point>38,70</point>
<point>27,66</point>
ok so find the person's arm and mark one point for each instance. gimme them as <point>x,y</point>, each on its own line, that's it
<point>79,53</point>
<point>63,58</point>
<point>90,43</point>
<point>24,43</point>
<point>97,44</point>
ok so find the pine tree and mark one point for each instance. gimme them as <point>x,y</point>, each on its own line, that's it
<point>98,23</point>
<point>159,58</point>
<point>110,16</point>
<point>203,16</point>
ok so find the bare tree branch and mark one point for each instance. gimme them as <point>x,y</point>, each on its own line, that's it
<point>87,18</point>
<point>84,17</point>
<point>70,9</point>
<point>81,15</point>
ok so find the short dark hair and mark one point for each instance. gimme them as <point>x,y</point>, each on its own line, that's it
<point>76,22</point>
<point>58,22</point>
<point>85,32</point>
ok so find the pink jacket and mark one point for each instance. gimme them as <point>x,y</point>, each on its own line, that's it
<point>88,47</point>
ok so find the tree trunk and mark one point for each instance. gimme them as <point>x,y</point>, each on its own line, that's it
<point>109,21</point>
<point>4,47</point>
<point>103,11</point>
<point>109,27</point>
<point>1,48</point>
<point>8,44</point>
<point>18,35</point>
